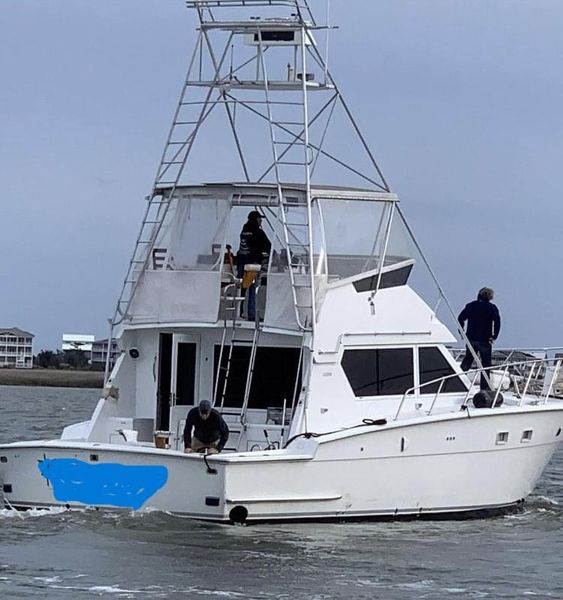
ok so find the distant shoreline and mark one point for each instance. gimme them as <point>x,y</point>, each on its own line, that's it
<point>52,378</point>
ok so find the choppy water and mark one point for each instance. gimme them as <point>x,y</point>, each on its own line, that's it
<point>90,554</point>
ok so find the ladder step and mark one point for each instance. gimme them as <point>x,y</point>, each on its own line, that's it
<point>172,162</point>
<point>289,163</point>
<point>297,224</point>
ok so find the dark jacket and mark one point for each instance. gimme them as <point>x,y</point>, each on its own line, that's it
<point>483,320</point>
<point>253,244</point>
<point>206,430</point>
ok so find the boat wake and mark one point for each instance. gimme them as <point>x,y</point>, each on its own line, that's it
<point>539,507</point>
<point>12,513</point>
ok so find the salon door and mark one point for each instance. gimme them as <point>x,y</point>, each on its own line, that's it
<point>185,369</point>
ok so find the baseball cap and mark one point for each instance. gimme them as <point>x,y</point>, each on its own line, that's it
<point>205,407</point>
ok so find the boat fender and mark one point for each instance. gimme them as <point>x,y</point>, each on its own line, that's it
<point>238,515</point>
<point>485,398</point>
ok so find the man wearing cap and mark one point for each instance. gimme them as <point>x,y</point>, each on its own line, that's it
<point>210,432</point>
<point>254,247</point>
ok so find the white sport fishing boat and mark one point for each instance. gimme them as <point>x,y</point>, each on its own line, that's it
<point>342,398</point>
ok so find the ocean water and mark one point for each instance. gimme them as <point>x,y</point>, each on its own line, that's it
<point>82,555</point>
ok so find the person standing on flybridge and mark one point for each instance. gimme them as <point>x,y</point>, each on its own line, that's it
<point>254,247</point>
<point>483,327</point>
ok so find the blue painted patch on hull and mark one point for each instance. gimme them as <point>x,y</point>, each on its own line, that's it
<point>126,486</point>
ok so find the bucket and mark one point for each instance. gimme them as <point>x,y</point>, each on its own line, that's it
<point>250,273</point>
<point>161,439</point>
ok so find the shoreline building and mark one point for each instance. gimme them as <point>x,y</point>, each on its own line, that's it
<point>16,348</point>
<point>77,341</point>
<point>100,352</point>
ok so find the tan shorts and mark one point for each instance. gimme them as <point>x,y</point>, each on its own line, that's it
<point>212,447</point>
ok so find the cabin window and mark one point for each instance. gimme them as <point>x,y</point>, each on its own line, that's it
<point>273,381</point>
<point>434,365</point>
<point>379,372</point>
<point>388,279</point>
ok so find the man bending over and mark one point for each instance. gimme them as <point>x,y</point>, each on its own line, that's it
<point>210,432</point>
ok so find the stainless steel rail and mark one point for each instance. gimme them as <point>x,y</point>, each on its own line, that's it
<point>536,367</point>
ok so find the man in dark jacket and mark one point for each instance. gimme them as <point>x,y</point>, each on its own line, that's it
<point>483,327</point>
<point>254,248</point>
<point>210,432</point>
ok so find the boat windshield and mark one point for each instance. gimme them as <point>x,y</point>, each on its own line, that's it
<point>349,236</point>
<point>358,233</point>
<point>193,233</point>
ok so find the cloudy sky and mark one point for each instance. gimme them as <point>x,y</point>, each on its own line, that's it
<point>461,100</point>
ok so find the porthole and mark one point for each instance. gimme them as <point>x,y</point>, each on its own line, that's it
<point>502,438</point>
<point>527,435</point>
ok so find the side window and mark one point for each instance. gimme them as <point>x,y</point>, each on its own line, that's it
<point>433,365</point>
<point>379,372</point>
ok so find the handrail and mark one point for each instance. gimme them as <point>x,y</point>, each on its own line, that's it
<point>553,379</point>
<point>511,351</point>
<point>225,3</point>
<point>538,362</point>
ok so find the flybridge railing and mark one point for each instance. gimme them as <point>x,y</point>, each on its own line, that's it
<point>537,372</point>
<point>241,3</point>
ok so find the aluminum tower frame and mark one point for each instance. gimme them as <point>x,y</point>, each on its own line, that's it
<point>213,72</point>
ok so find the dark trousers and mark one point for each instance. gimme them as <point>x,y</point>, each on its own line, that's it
<point>484,351</point>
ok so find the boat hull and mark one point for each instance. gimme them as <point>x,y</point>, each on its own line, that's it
<point>451,464</point>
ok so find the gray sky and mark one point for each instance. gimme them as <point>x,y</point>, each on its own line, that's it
<point>460,100</point>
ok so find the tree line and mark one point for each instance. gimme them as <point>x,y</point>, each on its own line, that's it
<point>64,359</point>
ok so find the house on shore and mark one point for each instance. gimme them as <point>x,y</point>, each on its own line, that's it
<point>16,348</point>
<point>100,352</point>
